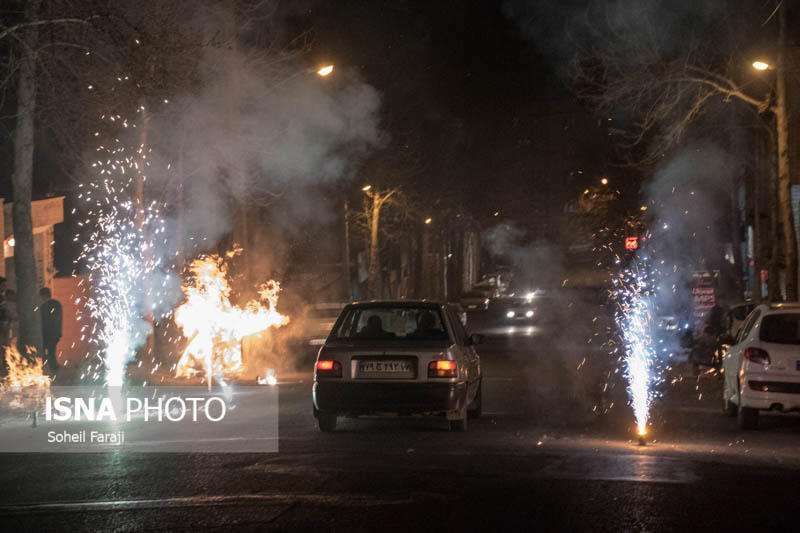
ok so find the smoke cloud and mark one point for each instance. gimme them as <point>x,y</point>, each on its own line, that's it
<point>689,202</point>
<point>253,130</point>
<point>536,264</point>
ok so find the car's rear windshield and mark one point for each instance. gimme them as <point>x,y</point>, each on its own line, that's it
<point>782,328</point>
<point>391,323</point>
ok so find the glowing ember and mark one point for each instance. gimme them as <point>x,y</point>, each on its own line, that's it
<point>269,378</point>
<point>214,326</point>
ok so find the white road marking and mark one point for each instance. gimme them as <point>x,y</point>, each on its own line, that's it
<point>342,500</point>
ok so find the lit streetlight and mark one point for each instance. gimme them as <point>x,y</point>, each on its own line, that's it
<point>604,181</point>
<point>761,65</point>
<point>325,71</point>
<point>366,188</point>
<point>428,220</point>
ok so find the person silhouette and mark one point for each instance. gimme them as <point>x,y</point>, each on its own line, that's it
<point>50,311</point>
<point>426,327</point>
<point>374,329</point>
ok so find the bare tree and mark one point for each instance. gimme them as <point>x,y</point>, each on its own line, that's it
<point>68,63</point>
<point>369,221</point>
<point>53,95</point>
<point>665,92</point>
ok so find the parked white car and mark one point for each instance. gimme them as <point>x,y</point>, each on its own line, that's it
<point>762,366</point>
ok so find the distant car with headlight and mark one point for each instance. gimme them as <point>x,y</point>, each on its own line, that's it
<point>520,309</point>
<point>398,357</point>
<point>539,309</point>
<point>761,368</point>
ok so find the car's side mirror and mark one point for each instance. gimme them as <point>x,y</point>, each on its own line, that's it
<point>474,339</point>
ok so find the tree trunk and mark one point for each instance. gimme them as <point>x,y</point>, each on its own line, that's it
<point>373,274</point>
<point>30,328</point>
<point>784,182</point>
<point>774,283</point>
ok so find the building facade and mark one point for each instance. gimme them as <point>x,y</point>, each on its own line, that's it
<point>46,213</point>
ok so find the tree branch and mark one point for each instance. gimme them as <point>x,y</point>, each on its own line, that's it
<point>22,25</point>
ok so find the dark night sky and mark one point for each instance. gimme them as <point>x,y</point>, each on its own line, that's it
<point>462,83</point>
<point>462,93</point>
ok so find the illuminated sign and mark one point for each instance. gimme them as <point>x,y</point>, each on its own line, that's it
<point>631,243</point>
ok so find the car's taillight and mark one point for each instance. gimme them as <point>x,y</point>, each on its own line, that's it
<point>328,368</point>
<point>442,369</point>
<point>757,355</point>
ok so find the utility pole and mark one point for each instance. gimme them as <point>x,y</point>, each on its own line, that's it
<point>347,273</point>
<point>757,294</point>
<point>140,220</point>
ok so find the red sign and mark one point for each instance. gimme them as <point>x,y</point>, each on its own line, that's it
<point>631,243</point>
<point>703,296</point>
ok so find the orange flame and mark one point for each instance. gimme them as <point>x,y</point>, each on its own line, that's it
<point>214,326</point>
<point>24,371</point>
<point>26,380</point>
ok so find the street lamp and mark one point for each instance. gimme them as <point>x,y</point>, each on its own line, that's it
<point>428,220</point>
<point>604,181</point>
<point>366,188</point>
<point>325,71</point>
<point>761,65</point>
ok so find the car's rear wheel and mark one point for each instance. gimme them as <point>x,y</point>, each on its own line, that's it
<point>475,409</point>
<point>748,417</point>
<point>459,422</point>
<point>326,421</point>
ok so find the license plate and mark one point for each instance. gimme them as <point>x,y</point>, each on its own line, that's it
<point>385,367</point>
<point>472,306</point>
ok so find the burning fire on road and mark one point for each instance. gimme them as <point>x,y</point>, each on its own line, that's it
<point>26,380</point>
<point>215,326</point>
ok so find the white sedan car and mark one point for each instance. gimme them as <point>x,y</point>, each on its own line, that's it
<point>762,366</point>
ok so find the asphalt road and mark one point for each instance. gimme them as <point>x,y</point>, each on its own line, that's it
<point>553,451</point>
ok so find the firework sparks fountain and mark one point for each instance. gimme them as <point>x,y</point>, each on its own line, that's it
<point>633,294</point>
<point>119,253</point>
